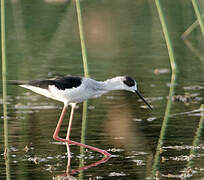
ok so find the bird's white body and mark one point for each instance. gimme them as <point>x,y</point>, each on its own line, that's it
<point>89,88</point>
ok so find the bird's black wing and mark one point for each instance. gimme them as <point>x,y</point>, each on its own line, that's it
<point>63,83</point>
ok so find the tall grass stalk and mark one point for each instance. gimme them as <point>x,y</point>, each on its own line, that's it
<point>86,74</point>
<point>190,29</point>
<point>198,14</point>
<point>84,125</point>
<point>164,125</point>
<point>166,35</point>
<point>82,39</point>
<point>171,91</point>
<point>4,85</point>
<point>83,135</point>
<point>188,43</point>
<point>198,135</point>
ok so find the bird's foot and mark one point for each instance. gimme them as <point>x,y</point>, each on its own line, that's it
<point>105,153</point>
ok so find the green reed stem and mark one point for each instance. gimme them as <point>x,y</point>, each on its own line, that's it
<point>81,33</point>
<point>83,135</point>
<point>198,14</point>
<point>166,35</point>
<point>84,125</point>
<point>4,86</point>
<point>164,124</point>
<point>4,71</point>
<point>188,43</point>
<point>190,29</point>
<point>84,56</point>
<point>198,135</point>
<point>200,128</point>
<point>171,90</point>
<point>86,74</point>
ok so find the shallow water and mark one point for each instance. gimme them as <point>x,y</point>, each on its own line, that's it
<point>122,38</point>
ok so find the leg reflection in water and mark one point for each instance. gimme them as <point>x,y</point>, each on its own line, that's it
<point>69,172</point>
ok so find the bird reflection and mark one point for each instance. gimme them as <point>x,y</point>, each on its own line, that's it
<point>125,133</point>
<point>70,172</point>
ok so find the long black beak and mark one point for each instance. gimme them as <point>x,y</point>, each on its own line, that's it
<point>137,92</point>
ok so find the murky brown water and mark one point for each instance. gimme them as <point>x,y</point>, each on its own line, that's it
<point>122,38</point>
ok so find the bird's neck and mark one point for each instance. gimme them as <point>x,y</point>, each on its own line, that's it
<point>112,84</point>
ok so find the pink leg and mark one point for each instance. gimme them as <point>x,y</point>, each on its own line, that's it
<point>55,135</point>
<point>67,140</point>
<point>70,122</point>
<point>69,158</point>
<point>69,129</point>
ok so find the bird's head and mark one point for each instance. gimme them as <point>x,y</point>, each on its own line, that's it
<point>130,84</point>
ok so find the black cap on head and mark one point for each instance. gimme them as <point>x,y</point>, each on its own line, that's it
<point>129,81</point>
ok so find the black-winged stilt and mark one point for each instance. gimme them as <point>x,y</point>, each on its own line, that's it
<point>72,90</point>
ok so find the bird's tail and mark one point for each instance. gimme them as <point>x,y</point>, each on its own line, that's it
<point>16,82</point>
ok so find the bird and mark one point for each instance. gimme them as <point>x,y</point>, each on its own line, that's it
<point>72,90</point>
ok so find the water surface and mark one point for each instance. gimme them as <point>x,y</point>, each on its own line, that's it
<point>122,38</point>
